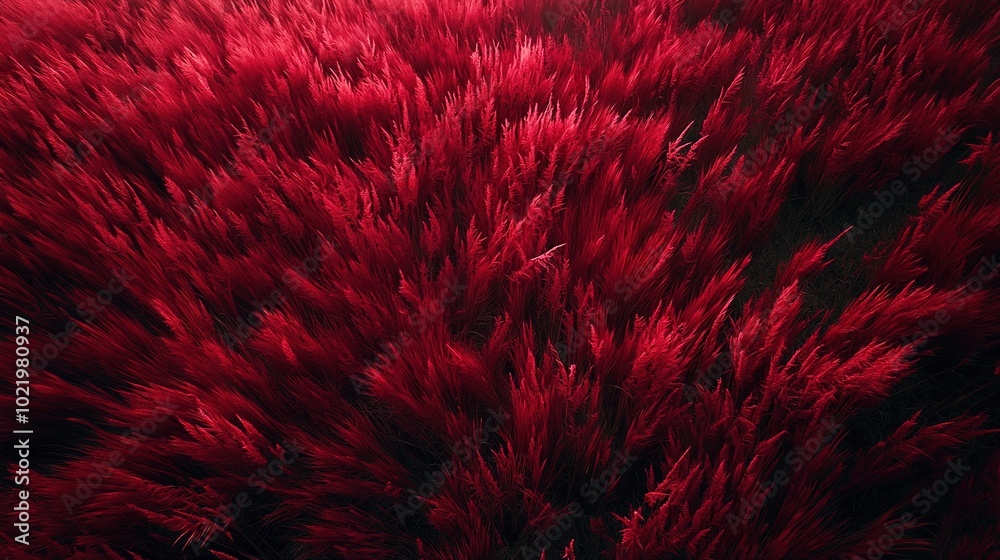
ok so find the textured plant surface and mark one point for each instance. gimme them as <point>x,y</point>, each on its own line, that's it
<point>691,279</point>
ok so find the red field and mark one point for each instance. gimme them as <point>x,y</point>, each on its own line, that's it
<point>675,279</point>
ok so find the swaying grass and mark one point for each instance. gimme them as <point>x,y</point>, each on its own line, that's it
<point>472,260</point>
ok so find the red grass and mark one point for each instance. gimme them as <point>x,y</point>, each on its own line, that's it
<point>484,254</point>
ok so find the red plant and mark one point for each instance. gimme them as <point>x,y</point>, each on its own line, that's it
<point>472,262</point>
